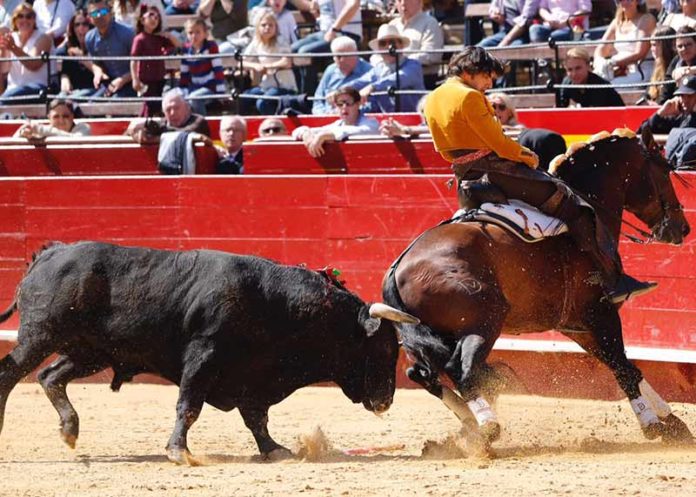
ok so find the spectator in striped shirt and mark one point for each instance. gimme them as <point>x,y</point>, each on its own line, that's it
<point>200,77</point>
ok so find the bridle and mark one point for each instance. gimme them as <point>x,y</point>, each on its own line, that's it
<point>665,206</point>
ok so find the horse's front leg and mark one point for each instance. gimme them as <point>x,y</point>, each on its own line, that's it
<point>467,369</point>
<point>605,342</point>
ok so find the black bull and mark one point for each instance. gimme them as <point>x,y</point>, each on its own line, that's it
<point>233,331</point>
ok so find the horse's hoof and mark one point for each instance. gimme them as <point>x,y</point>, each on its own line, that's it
<point>279,454</point>
<point>181,457</point>
<point>652,431</point>
<point>675,431</point>
<point>70,439</point>
<point>490,432</point>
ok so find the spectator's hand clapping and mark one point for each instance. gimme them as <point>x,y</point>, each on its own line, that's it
<point>392,128</point>
<point>7,42</point>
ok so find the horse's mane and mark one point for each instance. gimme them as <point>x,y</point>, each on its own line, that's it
<point>596,153</point>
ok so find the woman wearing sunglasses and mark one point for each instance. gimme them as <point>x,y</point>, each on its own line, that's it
<point>23,77</point>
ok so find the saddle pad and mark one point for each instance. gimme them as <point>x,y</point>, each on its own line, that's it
<point>525,221</point>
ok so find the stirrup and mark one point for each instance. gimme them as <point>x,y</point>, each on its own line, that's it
<point>629,287</point>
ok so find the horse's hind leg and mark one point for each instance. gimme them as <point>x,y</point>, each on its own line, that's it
<point>605,342</point>
<point>23,359</point>
<point>54,379</point>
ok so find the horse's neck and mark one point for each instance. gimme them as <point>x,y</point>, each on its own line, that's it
<point>605,187</point>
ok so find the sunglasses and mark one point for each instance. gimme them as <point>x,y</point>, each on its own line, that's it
<point>499,106</point>
<point>99,13</point>
<point>271,130</point>
<point>28,15</point>
<point>386,43</point>
<point>344,103</point>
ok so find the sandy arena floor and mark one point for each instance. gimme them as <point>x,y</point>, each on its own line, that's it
<point>549,447</point>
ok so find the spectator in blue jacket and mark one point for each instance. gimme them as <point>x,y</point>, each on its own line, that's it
<point>344,70</point>
<point>111,77</point>
<point>383,76</point>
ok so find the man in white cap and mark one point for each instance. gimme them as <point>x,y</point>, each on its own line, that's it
<point>424,33</point>
<point>383,75</point>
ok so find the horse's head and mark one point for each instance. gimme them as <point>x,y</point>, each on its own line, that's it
<point>652,197</point>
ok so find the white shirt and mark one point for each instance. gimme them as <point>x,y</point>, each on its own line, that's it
<point>53,17</point>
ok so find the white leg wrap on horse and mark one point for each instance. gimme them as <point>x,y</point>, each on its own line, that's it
<point>455,404</point>
<point>644,412</point>
<point>482,411</point>
<point>661,407</point>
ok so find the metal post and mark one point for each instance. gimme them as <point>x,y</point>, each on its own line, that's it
<point>555,74</point>
<point>43,96</point>
<point>397,97</point>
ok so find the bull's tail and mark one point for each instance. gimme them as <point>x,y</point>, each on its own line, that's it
<point>8,312</point>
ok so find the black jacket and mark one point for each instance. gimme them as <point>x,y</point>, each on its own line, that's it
<point>590,97</point>
<point>663,125</point>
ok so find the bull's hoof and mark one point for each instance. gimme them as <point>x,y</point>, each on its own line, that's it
<point>70,439</point>
<point>675,431</point>
<point>278,454</point>
<point>181,457</point>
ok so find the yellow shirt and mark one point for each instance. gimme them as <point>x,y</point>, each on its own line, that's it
<point>460,117</point>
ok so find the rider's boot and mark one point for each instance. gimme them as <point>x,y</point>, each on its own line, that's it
<point>618,286</point>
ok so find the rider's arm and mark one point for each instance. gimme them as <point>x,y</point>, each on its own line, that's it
<point>484,124</point>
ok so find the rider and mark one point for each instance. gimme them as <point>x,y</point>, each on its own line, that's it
<point>491,167</point>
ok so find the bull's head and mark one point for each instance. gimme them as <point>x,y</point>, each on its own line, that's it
<point>375,386</point>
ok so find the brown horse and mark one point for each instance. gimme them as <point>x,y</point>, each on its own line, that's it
<point>470,282</point>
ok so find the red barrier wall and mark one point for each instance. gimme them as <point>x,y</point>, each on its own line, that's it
<point>357,223</point>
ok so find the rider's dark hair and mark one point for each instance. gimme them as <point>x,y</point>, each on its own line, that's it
<point>474,60</point>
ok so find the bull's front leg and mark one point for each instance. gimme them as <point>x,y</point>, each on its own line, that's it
<point>256,419</point>
<point>199,373</point>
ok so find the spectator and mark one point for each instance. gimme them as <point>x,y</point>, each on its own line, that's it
<point>513,18</point>
<point>148,75</point>
<point>555,16</point>
<point>344,70</point>
<point>424,33</point>
<point>505,111</point>
<point>61,122</point>
<point>272,127</point>
<point>226,16</point>
<point>335,17</point>
<point>352,122</point>
<point>577,66</point>
<point>177,117</point>
<point>383,76</point>
<point>623,62</point>
<point>677,112</point>
<point>200,77</point>
<point>6,9</point>
<point>687,16</point>
<point>180,7</point>
<point>287,26</point>
<point>24,77</point>
<point>276,77</point>
<point>127,12</point>
<point>76,75</point>
<point>684,64</point>
<point>53,16</point>
<point>111,77</point>
<point>233,133</point>
<point>663,52</point>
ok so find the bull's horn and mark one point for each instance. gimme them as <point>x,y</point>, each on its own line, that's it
<point>385,311</point>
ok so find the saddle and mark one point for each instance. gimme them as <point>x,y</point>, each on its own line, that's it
<point>528,223</point>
